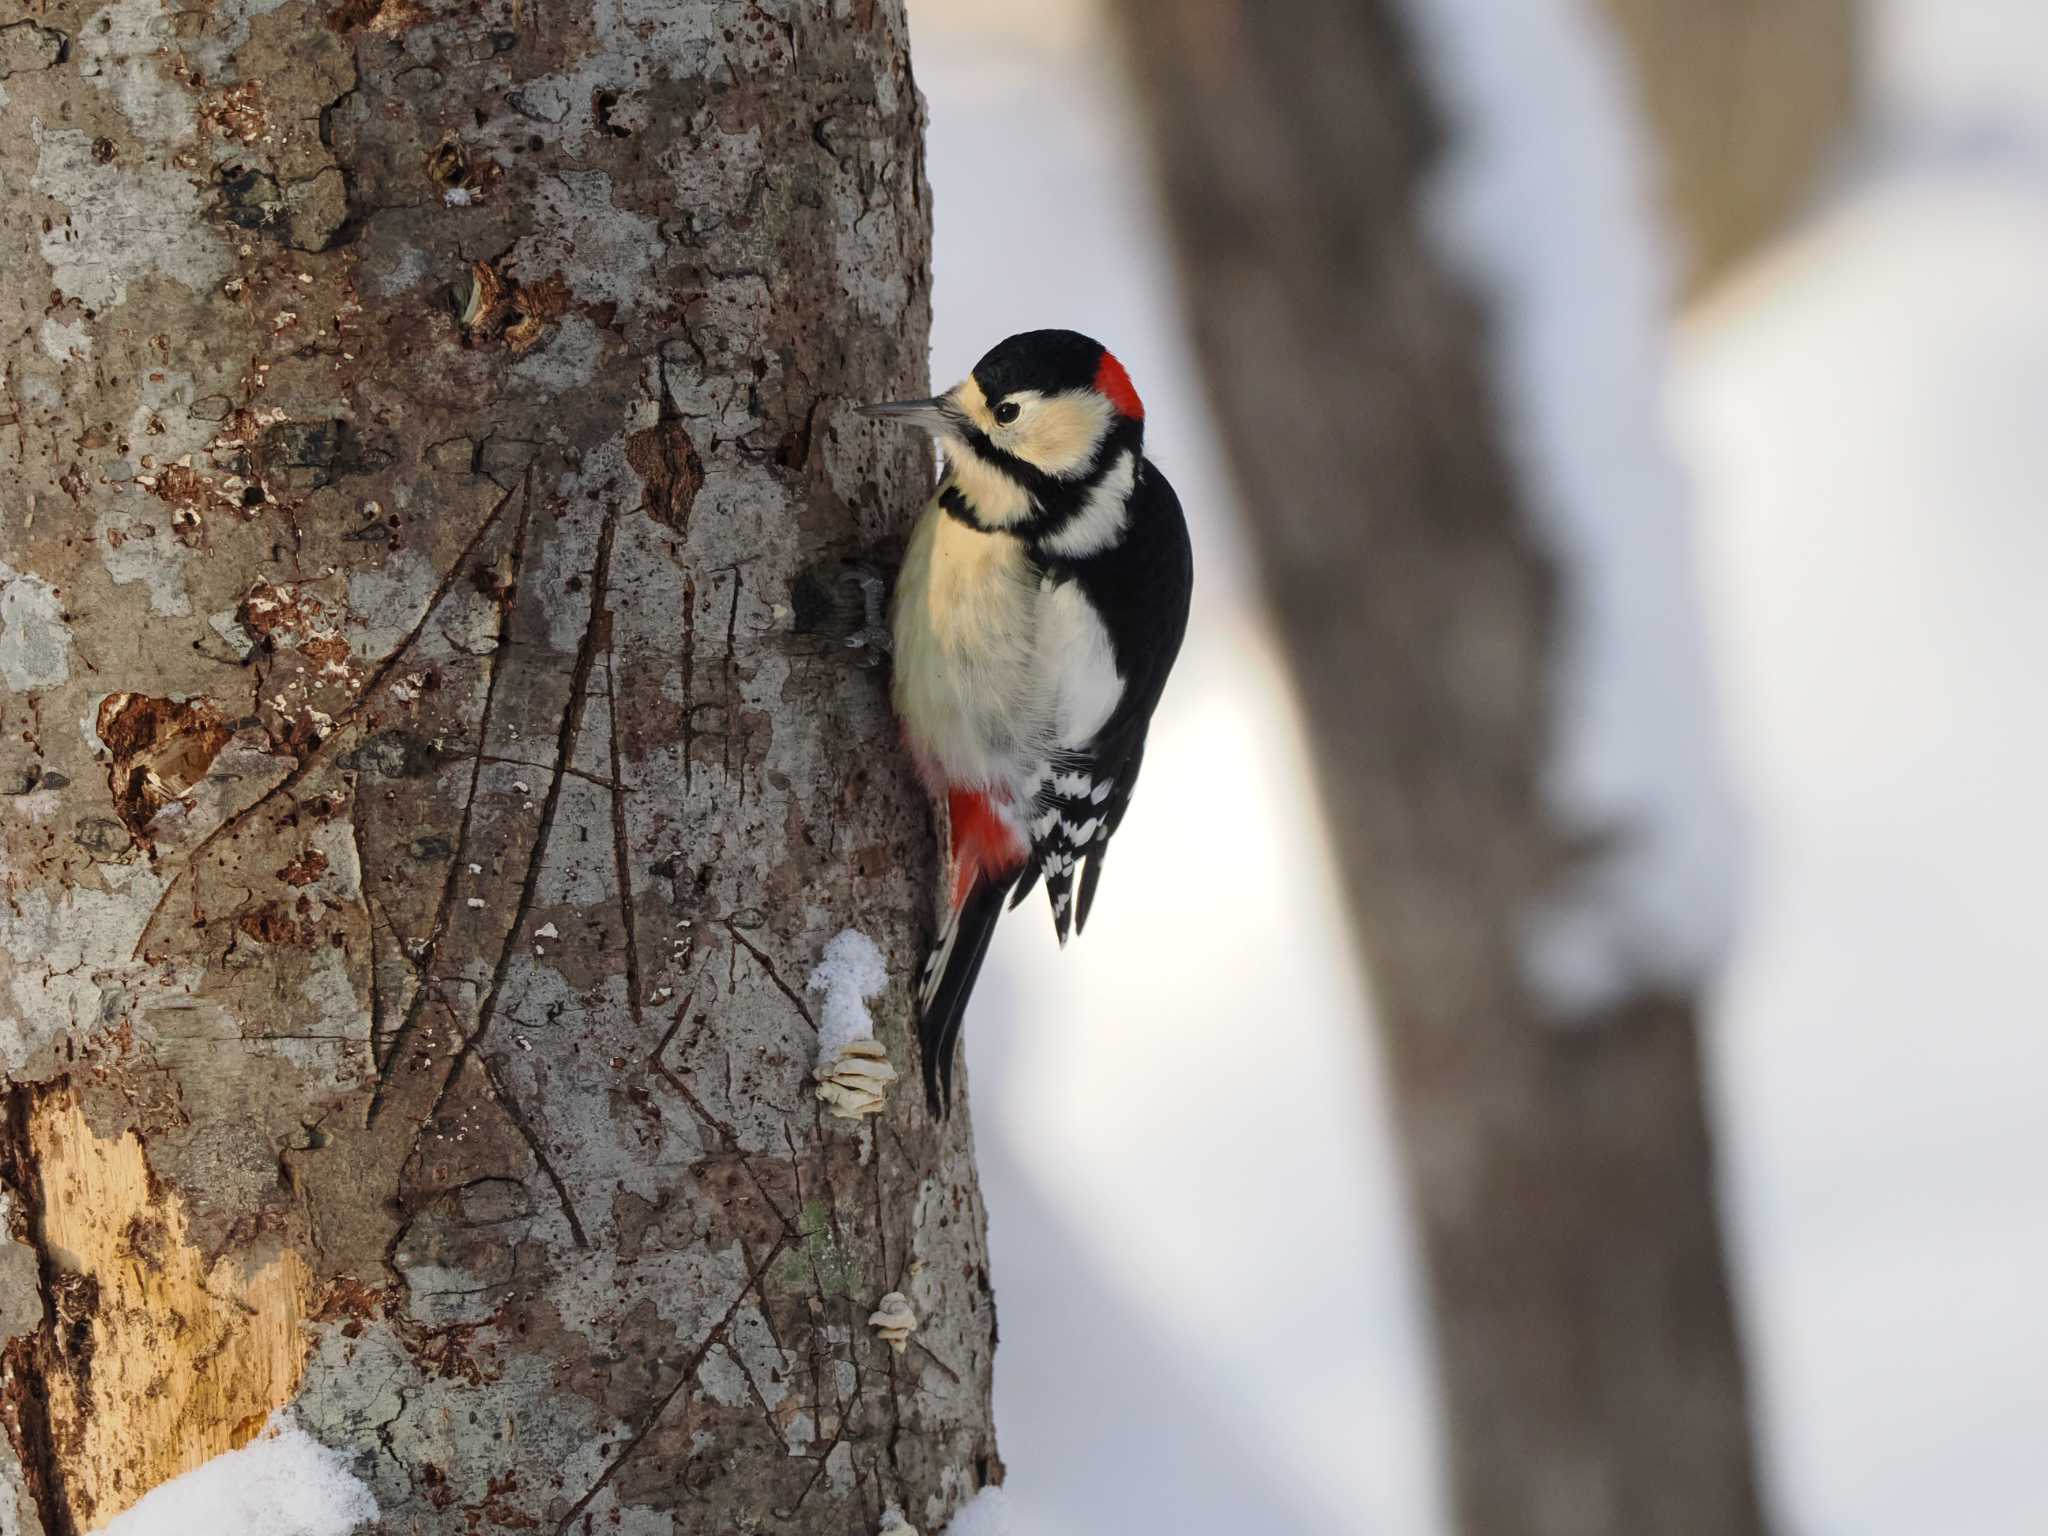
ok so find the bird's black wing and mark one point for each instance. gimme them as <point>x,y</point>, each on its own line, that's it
<point>1140,589</point>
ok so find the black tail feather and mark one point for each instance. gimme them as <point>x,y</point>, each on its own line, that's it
<point>962,948</point>
<point>1089,875</point>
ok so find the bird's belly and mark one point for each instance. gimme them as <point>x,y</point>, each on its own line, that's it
<point>967,684</point>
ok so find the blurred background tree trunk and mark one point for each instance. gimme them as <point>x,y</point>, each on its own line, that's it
<point>1562,1177</point>
<point>1749,99</point>
<point>434,759</point>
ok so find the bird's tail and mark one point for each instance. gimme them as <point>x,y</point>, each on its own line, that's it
<point>988,853</point>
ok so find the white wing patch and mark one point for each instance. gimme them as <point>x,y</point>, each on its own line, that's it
<point>1074,648</point>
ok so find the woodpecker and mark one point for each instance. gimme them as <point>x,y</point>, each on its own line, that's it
<point>1041,604</point>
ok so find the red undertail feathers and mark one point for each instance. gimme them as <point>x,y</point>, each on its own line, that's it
<point>984,842</point>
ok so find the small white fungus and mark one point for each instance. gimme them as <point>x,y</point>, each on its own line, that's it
<point>894,1321</point>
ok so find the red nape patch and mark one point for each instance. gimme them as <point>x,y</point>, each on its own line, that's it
<point>1114,385</point>
<point>983,843</point>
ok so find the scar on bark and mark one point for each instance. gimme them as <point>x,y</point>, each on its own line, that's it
<point>666,461</point>
<point>161,749</point>
<point>151,1358</point>
<point>424,995</point>
<point>687,1375</point>
<point>596,633</point>
<point>315,753</point>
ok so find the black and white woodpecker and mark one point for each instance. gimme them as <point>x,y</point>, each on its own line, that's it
<point>1041,604</point>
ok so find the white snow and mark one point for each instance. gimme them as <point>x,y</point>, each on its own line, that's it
<point>988,1513</point>
<point>1545,203</point>
<point>282,1483</point>
<point>850,973</point>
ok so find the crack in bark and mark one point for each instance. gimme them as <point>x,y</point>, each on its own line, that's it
<point>574,773</point>
<point>732,687</point>
<point>501,1095</point>
<point>596,633</point>
<point>316,753</point>
<point>821,1458</point>
<point>428,993</point>
<point>622,866</point>
<point>773,975</point>
<point>689,677</point>
<point>683,1379</point>
<point>713,1123</point>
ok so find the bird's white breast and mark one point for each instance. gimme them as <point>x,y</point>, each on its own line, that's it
<point>968,687</point>
<point>998,667</point>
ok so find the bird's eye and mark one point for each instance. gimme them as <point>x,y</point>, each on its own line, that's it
<point>1007,412</point>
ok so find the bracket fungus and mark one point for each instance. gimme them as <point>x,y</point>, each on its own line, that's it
<point>894,1321</point>
<point>856,1081</point>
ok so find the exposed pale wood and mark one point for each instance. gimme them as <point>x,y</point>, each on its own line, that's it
<point>164,1359</point>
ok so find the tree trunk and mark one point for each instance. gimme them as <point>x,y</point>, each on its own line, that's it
<point>1750,99</point>
<point>1561,1172</point>
<point>440,739</point>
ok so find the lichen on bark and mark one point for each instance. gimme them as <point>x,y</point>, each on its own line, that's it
<point>433,759</point>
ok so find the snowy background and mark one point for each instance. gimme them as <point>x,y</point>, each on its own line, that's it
<point>1210,1320</point>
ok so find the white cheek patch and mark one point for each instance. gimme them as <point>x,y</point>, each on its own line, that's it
<point>1104,516</point>
<point>1061,433</point>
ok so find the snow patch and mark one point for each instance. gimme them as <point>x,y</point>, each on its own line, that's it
<point>1544,202</point>
<point>853,1072</point>
<point>988,1513</point>
<point>283,1483</point>
<point>850,973</point>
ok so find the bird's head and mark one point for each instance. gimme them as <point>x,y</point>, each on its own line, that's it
<point>1047,411</point>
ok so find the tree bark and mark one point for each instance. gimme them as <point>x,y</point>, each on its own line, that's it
<point>440,737</point>
<point>1749,99</point>
<point>1562,1178</point>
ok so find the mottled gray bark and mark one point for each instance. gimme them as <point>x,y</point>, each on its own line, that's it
<point>1562,1178</point>
<point>439,740</point>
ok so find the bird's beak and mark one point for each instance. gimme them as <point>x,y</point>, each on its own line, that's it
<point>931,416</point>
